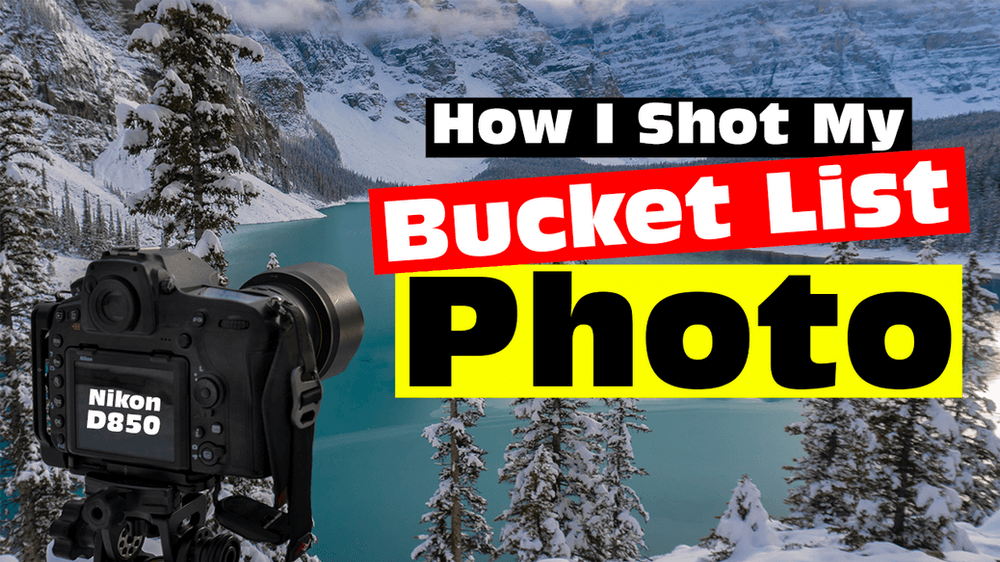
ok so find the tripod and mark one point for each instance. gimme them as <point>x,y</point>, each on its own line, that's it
<point>112,523</point>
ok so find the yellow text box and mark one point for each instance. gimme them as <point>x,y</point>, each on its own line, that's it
<point>906,330</point>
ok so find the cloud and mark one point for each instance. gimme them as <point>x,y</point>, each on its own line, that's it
<point>393,17</point>
<point>282,14</point>
<point>578,12</point>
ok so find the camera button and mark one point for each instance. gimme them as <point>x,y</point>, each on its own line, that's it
<point>59,422</point>
<point>198,319</point>
<point>74,315</point>
<point>217,428</point>
<point>60,315</point>
<point>57,340</point>
<point>57,381</point>
<point>58,401</point>
<point>57,361</point>
<point>199,432</point>
<point>184,341</point>
<point>206,393</point>
<point>209,453</point>
<point>60,439</point>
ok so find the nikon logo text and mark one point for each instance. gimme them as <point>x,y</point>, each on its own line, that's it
<point>118,399</point>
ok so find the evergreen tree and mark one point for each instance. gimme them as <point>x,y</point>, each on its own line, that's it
<point>87,243</point>
<point>188,123</point>
<point>70,224</point>
<point>34,490</point>
<point>928,254</point>
<point>842,253</point>
<point>456,506</point>
<point>834,438</point>
<point>100,227</point>
<point>272,263</point>
<point>619,529</point>
<point>978,444</point>
<point>907,498</point>
<point>743,526</point>
<point>558,454</point>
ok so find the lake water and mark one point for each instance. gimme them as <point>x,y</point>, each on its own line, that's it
<point>372,470</point>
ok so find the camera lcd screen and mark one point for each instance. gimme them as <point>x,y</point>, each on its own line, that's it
<point>125,410</point>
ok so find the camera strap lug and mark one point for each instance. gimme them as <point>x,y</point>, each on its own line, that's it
<point>306,395</point>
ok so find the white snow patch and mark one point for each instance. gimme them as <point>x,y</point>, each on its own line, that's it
<point>131,175</point>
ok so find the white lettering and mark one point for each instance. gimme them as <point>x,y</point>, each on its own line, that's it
<point>444,123</point>
<point>96,419</point>
<point>399,232</point>
<point>648,114</point>
<point>779,203</point>
<point>535,131</point>
<point>827,122</point>
<point>586,220</point>
<point>921,183</point>
<point>886,207</point>
<point>497,229</point>
<point>529,218</point>
<point>638,216</point>
<point>508,126</point>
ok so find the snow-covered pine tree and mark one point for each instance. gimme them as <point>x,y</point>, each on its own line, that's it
<point>458,528</point>
<point>272,263</point>
<point>561,434</point>
<point>979,446</point>
<point>622,532</point>
<point>907,496</point>
<point>743,526</point>
<point>536,514</point>
<point>842,253</point>
<point>187,122</point>
<point>33,493</point>
<point>101,240</point>
<point>928,254</point>
<point>87,243</point>
<point>834,439</point>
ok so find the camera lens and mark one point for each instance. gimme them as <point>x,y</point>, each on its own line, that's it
<point>333,316</point>
<point>113,305</point>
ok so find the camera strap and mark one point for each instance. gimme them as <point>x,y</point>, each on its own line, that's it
<point>290,402</point>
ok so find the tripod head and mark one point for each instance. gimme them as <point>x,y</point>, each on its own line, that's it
<point>118,514</point>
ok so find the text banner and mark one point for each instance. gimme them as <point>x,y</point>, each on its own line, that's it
<point>663,331</point>
<point>670,210</point>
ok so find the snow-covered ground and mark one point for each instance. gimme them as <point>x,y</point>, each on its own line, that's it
<point>990,261</point>
<point>131,175</point>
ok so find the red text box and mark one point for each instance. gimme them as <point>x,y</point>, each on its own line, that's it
<point>670,210</point>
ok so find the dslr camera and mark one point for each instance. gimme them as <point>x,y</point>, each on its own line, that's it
<point>153,382</point>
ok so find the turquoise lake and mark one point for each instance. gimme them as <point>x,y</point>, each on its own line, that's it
<point>372,470</point>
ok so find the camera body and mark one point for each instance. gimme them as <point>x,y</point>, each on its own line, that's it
<point>153,370</point>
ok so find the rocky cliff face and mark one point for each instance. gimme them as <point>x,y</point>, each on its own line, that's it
<point>348,90</point>
<point>942,53</point>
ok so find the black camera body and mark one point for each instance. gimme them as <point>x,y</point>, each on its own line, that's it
<point>152,370</point>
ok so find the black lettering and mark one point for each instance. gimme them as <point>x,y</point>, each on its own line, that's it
<point>609,315</point>
<point>672,316</point>
<point>432,341</point>
<point>924,316</point>
<point>791,310</point>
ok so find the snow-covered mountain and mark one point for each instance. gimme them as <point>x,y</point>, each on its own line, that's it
<point>342,86</point>
<point>942,53</point>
